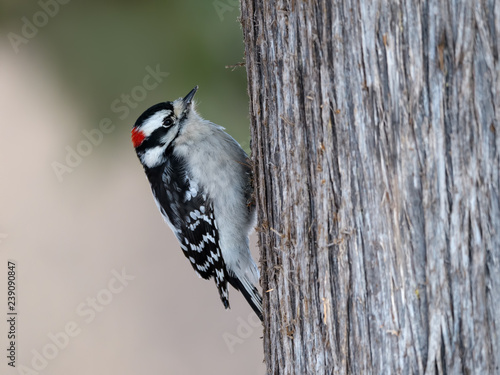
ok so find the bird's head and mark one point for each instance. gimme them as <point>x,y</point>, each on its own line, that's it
<point>156,129</point>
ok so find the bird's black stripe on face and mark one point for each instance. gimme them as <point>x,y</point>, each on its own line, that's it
<point>153,140</point>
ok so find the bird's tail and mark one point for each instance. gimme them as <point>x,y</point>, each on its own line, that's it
<point>250,293</point>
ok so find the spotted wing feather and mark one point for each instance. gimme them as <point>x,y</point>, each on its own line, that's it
<point>190,215</point>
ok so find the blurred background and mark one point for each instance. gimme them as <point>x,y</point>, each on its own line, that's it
<point>102,285</point>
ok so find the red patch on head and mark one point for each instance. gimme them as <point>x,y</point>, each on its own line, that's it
<point>137,137</point>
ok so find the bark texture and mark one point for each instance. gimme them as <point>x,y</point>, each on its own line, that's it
<point>375,137</point>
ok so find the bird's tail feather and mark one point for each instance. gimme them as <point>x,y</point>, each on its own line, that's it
<point>250,293</point>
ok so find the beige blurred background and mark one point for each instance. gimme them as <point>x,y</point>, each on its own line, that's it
<point>72,233</point>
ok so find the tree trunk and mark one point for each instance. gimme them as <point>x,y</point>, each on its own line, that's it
<point>375,137</point>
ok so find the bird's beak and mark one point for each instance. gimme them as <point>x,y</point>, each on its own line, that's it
<point>189,97</point>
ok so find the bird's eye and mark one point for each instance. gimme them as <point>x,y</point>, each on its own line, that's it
<point>167,122</point>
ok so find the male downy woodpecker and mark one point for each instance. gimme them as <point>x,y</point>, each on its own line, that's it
<point>202,184</point>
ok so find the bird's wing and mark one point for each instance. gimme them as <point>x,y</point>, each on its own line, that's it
<point>190,215</point>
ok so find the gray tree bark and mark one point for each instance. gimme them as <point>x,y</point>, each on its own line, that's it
<point>375,138</point>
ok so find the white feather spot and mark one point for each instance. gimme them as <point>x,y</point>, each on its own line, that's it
<point>195,214</point>
<point>203,267</point>
<point>219,274</point>
<point>207,237</point>
<point>194,225</point>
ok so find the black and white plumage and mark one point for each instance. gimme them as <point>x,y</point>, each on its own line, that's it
<point>201,181</point>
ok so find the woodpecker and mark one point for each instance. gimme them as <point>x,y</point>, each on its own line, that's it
<point>201,181</point>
